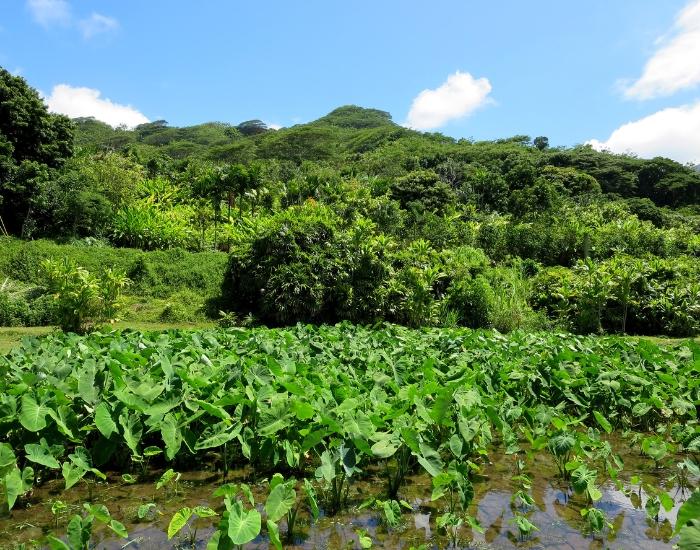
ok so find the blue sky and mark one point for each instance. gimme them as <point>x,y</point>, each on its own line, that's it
<point>572,71</point>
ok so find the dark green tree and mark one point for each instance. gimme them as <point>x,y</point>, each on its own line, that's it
<point>32,140</point>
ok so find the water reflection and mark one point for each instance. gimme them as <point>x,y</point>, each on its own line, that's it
<point>556,512</point>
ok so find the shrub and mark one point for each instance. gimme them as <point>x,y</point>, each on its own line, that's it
<point>472,300</point>
<point>82,298</point>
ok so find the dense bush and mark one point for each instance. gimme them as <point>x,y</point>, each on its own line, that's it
<point>83,299</point>
<point>624,294</point>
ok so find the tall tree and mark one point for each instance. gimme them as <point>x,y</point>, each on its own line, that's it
<point>32,141</point>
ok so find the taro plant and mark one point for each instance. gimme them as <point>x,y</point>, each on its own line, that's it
<point>595,520</point>
<point>282,503</point>
<point>183,516</point>
<point>390,509</point>
<point>240,522</point>
<point>338,466</point>
<point>525,527</point>
<point>656,448</point>
<point>13,481</point>
<point>80,529</point>
<point>454,486</point>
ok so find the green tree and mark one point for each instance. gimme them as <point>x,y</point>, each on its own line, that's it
<point>32,140</point>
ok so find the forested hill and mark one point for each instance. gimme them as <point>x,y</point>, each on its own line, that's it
<point>354,217</point>
<point>354,140</point>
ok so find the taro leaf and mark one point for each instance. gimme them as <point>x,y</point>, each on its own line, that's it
<point>349,460</point>
<point>152,450</point>
<point>216,436</point>
<point>280,501</point>
<point>118,528</point>
<point>582,478</point>
<point>79,531</point>
<point>327,468</point>
<point>204,512</point>
<point>430,460</point>
<point>72,474</point>
<point>302,410</point>
<point>689,510</point>
<point>226,490</point>
<point>99,511</point>
<point>41,454</point>
<point>311,496</point>
<point>243,526</point>
<point>132,431</point>
<point>214,410</point>
<point>245,489</point>
<point>145,509</point>
<point>442,405</point>
<point>13,486</point>
<point>604,423</point>
<point>690,536</point>
<point>273,533</point>
<point>410,438</point>
<point>392,513</point>
<point>103,420</point>
<point>276,480</point>
<point>168,476</point>
<point>562,443</point>
<point>364,539</point>
<point>57,544</point>
<point>66,420</point>
<point>178,521</point>
<point>33,415</point>
<point>666,501</point>
<point>384,448</point>
<point>170,432</point>
<point>456,445</point>
<point>652,507</point>
<point>87,389</point>
<point>7,457</point>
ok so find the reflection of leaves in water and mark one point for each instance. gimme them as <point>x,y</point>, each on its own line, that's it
<point>662,530</point>
<point>636,501</point>
<point>494,529</point>
<point>617,523</point>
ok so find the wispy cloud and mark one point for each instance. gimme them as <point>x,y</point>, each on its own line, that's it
<point>97,24</point>
<point>58,13</point>
<point>674,66</point>
<point>672,132</point>
<point>459,96</point>
<point>87,102</point>
<point>49,13</point>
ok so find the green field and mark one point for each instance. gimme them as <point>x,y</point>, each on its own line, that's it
<point>343,421</point>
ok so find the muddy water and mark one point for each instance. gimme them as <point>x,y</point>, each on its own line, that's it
<point>556,512</point>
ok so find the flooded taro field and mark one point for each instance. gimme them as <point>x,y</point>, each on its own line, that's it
<point>555,511</point>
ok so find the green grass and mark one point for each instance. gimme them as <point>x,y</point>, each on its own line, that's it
<point>11,337</point>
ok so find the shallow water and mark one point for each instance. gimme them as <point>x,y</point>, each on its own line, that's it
<point>556,512</point>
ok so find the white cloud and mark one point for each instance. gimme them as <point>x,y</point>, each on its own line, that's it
<point>50,12</point>
<point>457,97</point>
<point>85,102</point>
<point>674,66</point>
<point>273,126</point>
<point>97,24</point>
<point>672,132</point>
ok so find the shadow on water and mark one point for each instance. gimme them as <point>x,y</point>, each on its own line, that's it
<point>556,513</point>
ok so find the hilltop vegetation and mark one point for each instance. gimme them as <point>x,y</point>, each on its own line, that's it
<point>353,217</point>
